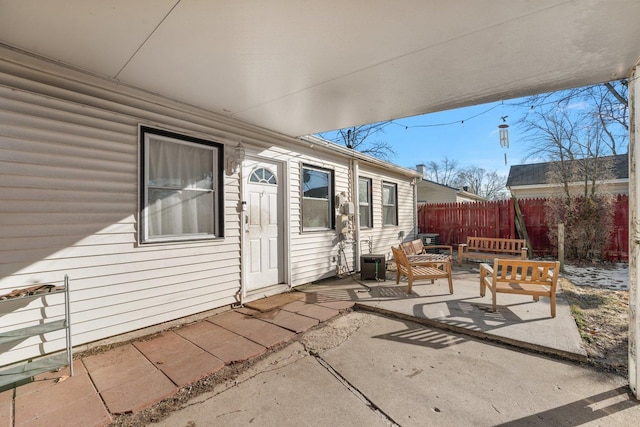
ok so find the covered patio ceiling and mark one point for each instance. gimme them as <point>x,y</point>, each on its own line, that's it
<point>304,67</point>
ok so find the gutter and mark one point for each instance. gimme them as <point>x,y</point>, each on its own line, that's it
<point>330,147</point>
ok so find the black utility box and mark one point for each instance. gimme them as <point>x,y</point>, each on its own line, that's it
<point>372,267</point>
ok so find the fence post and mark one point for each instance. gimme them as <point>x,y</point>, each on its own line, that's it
<point>561,245</point>
<point>512,220</point>
<point>521,227</point>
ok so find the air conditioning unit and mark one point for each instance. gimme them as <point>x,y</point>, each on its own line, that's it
<point>429,238</point>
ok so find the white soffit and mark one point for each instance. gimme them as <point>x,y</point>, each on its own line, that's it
<point>300,68</point>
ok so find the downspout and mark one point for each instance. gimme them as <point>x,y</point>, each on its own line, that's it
<point>355,172</point>
<point>634,232</point>
<point>243,225</point>
<point>415,208</point>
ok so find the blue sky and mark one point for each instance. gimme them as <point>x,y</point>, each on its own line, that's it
<point>469,135</point>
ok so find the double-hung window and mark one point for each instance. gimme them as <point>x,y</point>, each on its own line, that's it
<point>389,203</point>
<point>181,187</point>
<point>317,198</point>
<point>364,203</point>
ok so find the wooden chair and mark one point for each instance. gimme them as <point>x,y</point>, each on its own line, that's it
<point>512,276</point>
<point>418,272</point>
<point>409,248</point>
<point>416,247</point>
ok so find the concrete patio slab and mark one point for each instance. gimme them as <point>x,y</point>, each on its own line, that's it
<point>335,305</point>
<point>398,372</point>
<point>518,320</point>
<point>118,366</point>
<point>6,408</point>
<point>181,360</point>
<point>126,380</point>
<point>141,392</point>
<point>55,399</point>
<point>286,319</point>
<point>426,376</point>
<point>318,312</point>
<point>274,301</point>
<point>282,397</point>
<point>264,333</point>
<point>222,343</point>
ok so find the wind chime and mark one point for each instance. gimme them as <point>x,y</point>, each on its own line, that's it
<point>504,135</point>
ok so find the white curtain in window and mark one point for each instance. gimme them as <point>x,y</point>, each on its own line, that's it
<point>180,189</point>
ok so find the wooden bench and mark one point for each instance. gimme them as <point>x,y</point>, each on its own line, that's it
<point>416,247</point>
<point>488,248</point>
<point>535,278</point>
<point>431,271</point>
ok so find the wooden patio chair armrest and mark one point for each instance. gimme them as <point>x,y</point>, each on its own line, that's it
<point>485,270</point>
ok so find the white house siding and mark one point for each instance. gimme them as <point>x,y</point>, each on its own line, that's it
<point>314,254</point>
<point>69,201</point>
<point>433,193</point>
<point>69,205</point>
<point>546,190</point>
<point>386,236</point>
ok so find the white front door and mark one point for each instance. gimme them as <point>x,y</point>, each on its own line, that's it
<point>263,228</point>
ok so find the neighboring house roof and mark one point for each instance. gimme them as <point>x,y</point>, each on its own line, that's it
<point>458,192</point>
<point>536,173</point>
<point>437,184</point>
<point>471,196</point>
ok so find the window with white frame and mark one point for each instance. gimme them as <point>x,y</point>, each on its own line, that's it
<point>389,203</point>
<point>364,202</point>
<point>181,187</point>
<point>317,198</point>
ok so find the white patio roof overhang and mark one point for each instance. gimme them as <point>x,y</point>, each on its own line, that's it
<point>304,67</point>
<point>299,68</point>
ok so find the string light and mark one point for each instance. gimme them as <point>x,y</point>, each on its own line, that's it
<point>502,103</point>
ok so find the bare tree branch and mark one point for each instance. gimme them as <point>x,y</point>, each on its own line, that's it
<point>359,138</point>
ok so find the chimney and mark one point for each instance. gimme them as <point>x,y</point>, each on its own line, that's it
<point>465,188</point>
<point>422,169</point>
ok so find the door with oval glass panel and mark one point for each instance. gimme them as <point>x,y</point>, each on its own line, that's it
<point>263,224</point>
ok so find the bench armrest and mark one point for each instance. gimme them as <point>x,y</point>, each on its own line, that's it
<point>462,247</point>
<point>485,270</point>
<point>524,252</point>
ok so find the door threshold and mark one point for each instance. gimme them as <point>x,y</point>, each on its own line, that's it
<point>266,292</point>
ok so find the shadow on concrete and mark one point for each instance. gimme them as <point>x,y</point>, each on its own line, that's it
<point>417,334</point>
<point>581,411</point>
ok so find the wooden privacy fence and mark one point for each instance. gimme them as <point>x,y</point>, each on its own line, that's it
<point>453,222</point>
